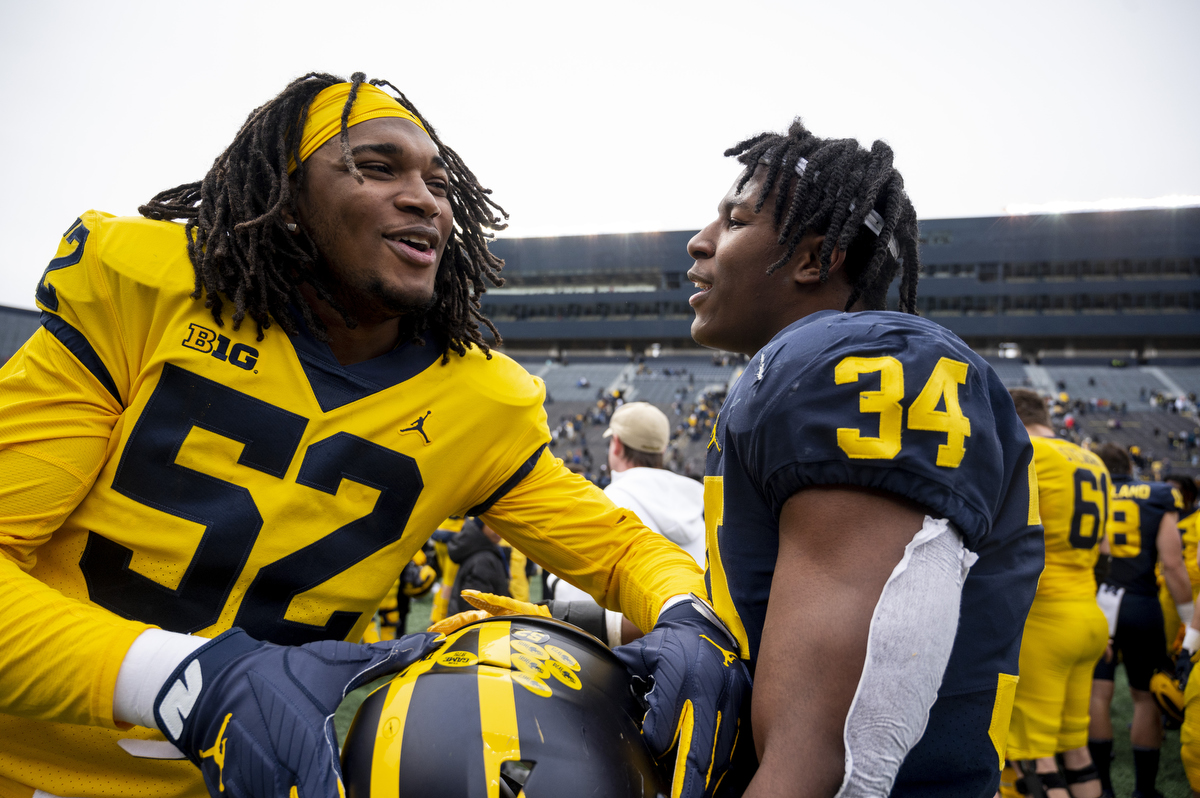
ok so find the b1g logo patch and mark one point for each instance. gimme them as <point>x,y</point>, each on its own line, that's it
<point>211,342</point>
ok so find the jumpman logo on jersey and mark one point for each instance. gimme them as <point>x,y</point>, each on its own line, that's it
<point>419,426</point>
<point>712,441</point>
<point>217,752</point>
<point>729,655</point>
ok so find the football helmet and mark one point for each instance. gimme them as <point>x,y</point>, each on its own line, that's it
<point>1169,697</point>
<point>509,707</point>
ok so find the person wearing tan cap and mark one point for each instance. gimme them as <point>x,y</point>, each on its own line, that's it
<point>670,504</point>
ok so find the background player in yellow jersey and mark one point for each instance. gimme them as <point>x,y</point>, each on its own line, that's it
<point>1065,633</point>
<point>1189,533</point>
<point>174,473</point>
<point>1142,531</point>
<point>1189,733</point>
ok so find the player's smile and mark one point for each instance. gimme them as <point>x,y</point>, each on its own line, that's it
<point>418,243</point>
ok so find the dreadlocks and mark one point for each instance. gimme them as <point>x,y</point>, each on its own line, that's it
<point>829,186</point>
<point>239,245</point>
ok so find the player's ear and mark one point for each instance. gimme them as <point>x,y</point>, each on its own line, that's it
<point>289,219</point>
<point>806,262</point>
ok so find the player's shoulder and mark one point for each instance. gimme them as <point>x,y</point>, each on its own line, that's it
<point>496,378</point>
<point>880,400</point>
<point>842,344</point>
<point>123,250</point>
<point>897,352</point>
<point>1061,450</point>
<point>1172,498</point>
<point>828,336</point>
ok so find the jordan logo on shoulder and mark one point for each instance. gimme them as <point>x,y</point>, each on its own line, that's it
<point>419,426</point>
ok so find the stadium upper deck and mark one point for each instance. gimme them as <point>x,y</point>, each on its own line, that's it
<point>1121,283</point>
<point>1116,281</point>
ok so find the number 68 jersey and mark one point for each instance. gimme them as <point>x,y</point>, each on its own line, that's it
<point>888,402</point>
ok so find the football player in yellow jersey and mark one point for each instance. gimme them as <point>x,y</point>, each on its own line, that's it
<point>449,568</point>
<point>1065,632</point>
<point>1189,733</point>
<point>1173,626</point>
<point>175,473</point>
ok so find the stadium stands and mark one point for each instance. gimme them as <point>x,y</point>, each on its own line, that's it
<point>1119,281</point>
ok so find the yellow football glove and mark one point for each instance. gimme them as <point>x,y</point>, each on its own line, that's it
<point>488,605</point>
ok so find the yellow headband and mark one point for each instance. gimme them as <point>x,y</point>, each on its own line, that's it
<point>325,115</point>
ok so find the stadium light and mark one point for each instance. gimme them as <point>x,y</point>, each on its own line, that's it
<point>1111,204</point>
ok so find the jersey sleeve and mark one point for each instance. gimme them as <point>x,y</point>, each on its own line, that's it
<point>567,525</point>
<point>1177,500</point>
<point>907,411</point>
<point>58,656</point>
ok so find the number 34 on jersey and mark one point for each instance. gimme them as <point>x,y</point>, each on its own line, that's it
<point>935,409</point>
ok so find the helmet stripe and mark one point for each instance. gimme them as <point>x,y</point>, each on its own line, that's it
<point>497,704</point>
<point>386,760</point>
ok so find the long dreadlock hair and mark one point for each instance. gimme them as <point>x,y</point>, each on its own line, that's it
<point>836,186</point>
<point>240,248</point>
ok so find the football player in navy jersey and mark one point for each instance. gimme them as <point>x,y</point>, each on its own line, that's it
<point>873,530</point>
<point>1142,532</point>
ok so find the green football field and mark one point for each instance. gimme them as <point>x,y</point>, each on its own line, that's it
<point>1171,781</point>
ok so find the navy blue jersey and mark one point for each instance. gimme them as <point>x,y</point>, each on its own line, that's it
<point>891,402</point>
<point>1134,515</point>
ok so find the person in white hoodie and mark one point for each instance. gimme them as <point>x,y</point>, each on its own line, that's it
<point>670,504</point>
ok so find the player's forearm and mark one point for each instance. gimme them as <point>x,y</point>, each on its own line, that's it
<point>572,529</point>
<point>1178,583</point>
<point>59,657</point>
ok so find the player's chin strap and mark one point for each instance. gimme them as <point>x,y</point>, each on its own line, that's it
<point>908,646</point>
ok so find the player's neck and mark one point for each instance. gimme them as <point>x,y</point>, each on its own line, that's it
<point>827,299</point>
<point>1040,431</point>
<point>369,339</point>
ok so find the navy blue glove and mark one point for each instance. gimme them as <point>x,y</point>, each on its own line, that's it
<point>698,685</point>
<point>1183,667</point>
<point>257,718</point>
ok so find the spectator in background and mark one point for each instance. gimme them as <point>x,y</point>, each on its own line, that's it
<point>481,565</point>
<point>670,504</point>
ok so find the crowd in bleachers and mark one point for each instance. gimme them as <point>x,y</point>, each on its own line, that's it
<point>1161,431</point>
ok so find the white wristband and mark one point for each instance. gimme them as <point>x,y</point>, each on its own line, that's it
<point>612,625</point>
<point>1191,639</point>
<point>1185,612</point>
<point>672,601</point>
<point>148,664</point>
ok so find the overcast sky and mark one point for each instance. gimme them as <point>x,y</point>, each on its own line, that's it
<point>608,116</point>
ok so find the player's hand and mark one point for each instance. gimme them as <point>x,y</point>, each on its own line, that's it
<point>257,718</point>
<point>1108,651</point>
<point>487,605</point>
<point>699,684</point>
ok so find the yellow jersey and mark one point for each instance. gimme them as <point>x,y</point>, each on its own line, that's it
<point>1073,495</point>
<point>1189,528</point>
<point>163,471</point>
